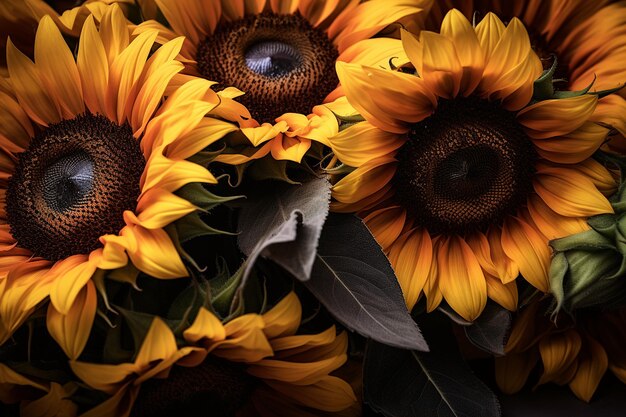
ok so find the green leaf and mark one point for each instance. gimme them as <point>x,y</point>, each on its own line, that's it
<point>403,383</point>
<point>283,223</point>
<point>490,330</point>
<point>356,283</point>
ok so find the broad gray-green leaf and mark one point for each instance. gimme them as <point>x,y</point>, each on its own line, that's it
<point>490,330</point>
<point>283,223</point>
<point>402,383</point>
<point>352,277</point>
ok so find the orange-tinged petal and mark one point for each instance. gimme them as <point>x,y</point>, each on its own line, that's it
<point>386,225</point>
<point>58,70</point>
<point>209,131</point>
<point>489,31</point>
<point>205,326</point>
<point>591,368</point>
<point>170,175</point>
<point>365,181</point>
<point>528,249</point>
<point>557,117</point>
<point>389,100</point>
<point>363,142</point>
<point>558,353</point>
<point>70,277</point>
<point>573,147</point>
<point>159,344</point>
<point>93,67</point>
<point>479,244</point>
<point>157,208</point>
<point>114,32</point>
<point>29,88</point>
<point>9,378</point>
<point>72,330</point>
<point>284,6</point>
<point>470,54</point>
<point>103,377</point>
<point>153,252</point>
<point>56,403</point>
<point>284,318</point>
<point>412,257</point>
<point>599,175</point>
<point>330,394</point>
<point>512,370</point>
<point>196,20</point>
<point>436,60</point>
<point>294,372</point>
<point>512,48</point>
<point>376,52</point>
<point>461,278</point>
<point>245,340</point>
<point>611,110</point>
<point>285,148</point>
<point>431,287</point>
<point>503,294</point>
<point>569,192</point>
<point>551,224</point>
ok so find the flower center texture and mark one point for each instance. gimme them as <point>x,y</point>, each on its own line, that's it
<point>465,167</point>
<point>72,185</point>
<point>281,62</point>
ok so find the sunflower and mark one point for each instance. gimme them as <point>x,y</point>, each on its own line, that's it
<point>275,60</point>
<point>89,163</point>
<point>460,174</point>
<point>577,352</point>
<point>252,365</point>
<point>588,40</point>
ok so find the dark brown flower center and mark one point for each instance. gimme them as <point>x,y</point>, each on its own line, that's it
<point>72,185</point>
<point>216,387</point>
<point>465,167</point>
<point>281,62</point>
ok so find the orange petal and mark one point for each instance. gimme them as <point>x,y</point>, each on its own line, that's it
<point>558,353</point>
<point>330,394</point>
<point>574,147</point>
<point>489,31</point>
<point>503,294</point>
<point>363,142</point>
<point>557,117</point>
<point>569,193</point>
<point>58,69</point>
<point>93,67</point>
<point>389,100</point>
<point>72,330</point>
<point>386,225</point>
<point>551,224</point>
<point>284,318</point>
<point>411,257</point>
<point>205,326</point>
<point>461,278</point>
<point>70,277</point>
<point>512,371</point>
<point>159,344</point>
<point>365,181</point>
<point>528,249</point>
<point>591,368</point>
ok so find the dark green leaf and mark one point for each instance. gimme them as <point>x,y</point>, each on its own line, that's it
<point>490,330</point>
<point>402,383</point>
<point>352,277</point>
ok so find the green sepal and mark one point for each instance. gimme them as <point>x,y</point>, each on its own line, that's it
<point>197,194</point>
<point>192,226</point>
<point>587,240</point>
<point>608,92</point>
<point>270,169</point>
<point>224,291</point>
<point>543,89</point>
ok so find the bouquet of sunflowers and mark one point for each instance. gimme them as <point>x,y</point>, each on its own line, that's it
<point>294,208</point>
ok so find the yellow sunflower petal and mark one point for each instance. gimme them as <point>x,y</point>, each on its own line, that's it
<point>551,224</point>
<point>153,252</point>
<point>157,208</point>
<point>489,31</point>
<point>461,278</point>
<point>591,369</point>
<point>431,287</point>
<point>574,147</point>
<point>512,371</point>
<point>284,318</point>
<point>528,249</point>
<point>57,402</point>
<point>72,330</point>
<point>285,148</point>
<point>29,88</point>
<point>389,100</point>
<point>284,6</point>
<point>209,131</point>
<point>471,56</point>
<point>114,32</point>
<point>362,142</point>
<point>569,192</point>
<point>193,19</point>
<point>245,340</point>
<point>330,394</point>
<point>611,110</point>
<point>411,257</point>
<point>205,326</point>
<point>503,294</point>
<point>169,175</point>
<point>365,181</point>
<point>70,277</point>
<point>93,67</point>
<point>8,377</point>
<point>386,225</point>
<point>557,117</point>
<point>436,60</point>
<point>58,69</point>
<point>376,52</point>
<point>599,175</point>
<point>159,344</point>
<point>558,353</point>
